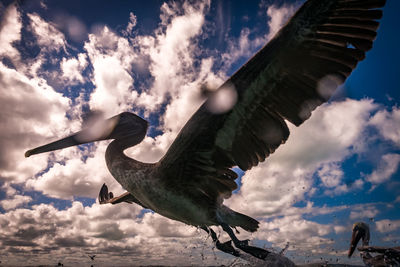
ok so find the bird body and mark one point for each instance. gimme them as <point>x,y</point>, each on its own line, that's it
<point>386,256</point>
<point>146,183</point>
<point>297,71</point>
<point>151,189</point>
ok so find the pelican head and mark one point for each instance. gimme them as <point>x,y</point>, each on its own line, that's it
<point>126,128</point>
<point>360,231</point>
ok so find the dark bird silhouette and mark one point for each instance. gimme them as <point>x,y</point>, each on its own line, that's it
<point>298,70</point>
<point>92,257</point>
<point>385,257</point>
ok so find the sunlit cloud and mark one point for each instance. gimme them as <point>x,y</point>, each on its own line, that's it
<point>388,124</point>
<point>386,168</point>
<point>48,36</point>
<point>287,175</point>
<point>72,69</point>
<point>10,31</point>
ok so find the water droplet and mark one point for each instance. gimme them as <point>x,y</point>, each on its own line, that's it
<point>222,100</point>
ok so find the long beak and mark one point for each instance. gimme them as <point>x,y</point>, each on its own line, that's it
<point>355,238</point>
<point>100,130</point>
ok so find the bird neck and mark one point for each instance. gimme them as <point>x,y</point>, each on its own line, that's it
<point>365,255</point>
<point>366,237</point>
<point>115,151</point>
<point>119,164</point>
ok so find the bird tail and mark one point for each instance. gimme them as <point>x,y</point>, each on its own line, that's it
<point>234,219</point>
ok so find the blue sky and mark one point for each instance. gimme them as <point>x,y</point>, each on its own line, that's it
<point>61,59</point>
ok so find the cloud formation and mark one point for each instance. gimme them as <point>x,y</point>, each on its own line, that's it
<point>287,176</point>
<point>386,168</point>
<point>48,37</point>
<point>388,124</point>
<point>10,31</point>
<point>32,113</point>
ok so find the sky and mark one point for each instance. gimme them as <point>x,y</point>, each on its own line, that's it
<point>60,60</point>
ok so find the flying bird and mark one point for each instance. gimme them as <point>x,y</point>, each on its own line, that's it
<point>386,256</point>
<point>298,70</point>
<point>92,257</point>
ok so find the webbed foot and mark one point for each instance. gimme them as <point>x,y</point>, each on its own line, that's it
<point>224,247</point>
<point>227,248</point>
<point>104,195</point>
<point>244,244</point>
<point>254,251</point>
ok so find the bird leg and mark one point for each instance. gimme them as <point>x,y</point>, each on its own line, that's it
<point>225,247</point>
<point>106,197</point>
<point>244,244</point>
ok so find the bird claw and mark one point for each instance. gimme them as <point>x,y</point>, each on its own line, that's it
<point>104,195</point>
<point>227,248</point>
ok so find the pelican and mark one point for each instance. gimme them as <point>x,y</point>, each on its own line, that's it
<point>298,70</point>
<point>386,256</point>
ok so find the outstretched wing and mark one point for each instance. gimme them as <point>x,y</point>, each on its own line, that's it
<point>288,78</point>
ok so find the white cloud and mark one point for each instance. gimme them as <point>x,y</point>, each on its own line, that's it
<point>15,201</point>
<point>10,31</point>
<point>331,175</point>
<point>132,22</point>
<point>72,68</point>
<point>76,177</point>
<point>286,176</point>
<point>105,43</point>
<point>111,57</point>
<point>113,87</point>
<point>172,52</point>
<point>48,36</point>
<point>187,101</point>
<point>385,226</point>
<point>278,16</point>
<point>386,168</point>
<point>304,235</point>
<point>172,56</point>
<point>244,46</point>
<point>363,212</point>
<point>339,229</point>
<point>388,124</point>
<point>31,113</point>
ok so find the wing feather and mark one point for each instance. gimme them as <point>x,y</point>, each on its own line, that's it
<point>298,70</point>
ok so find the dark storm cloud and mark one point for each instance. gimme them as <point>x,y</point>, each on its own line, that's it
<point>18,243</point>
<point>123,250</point>
<point>14,250</point>
<point>77,241</point>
